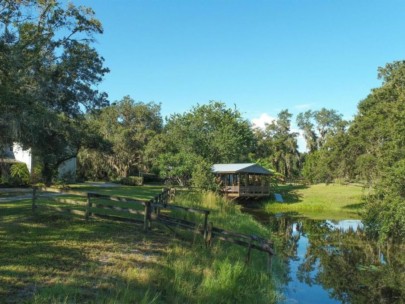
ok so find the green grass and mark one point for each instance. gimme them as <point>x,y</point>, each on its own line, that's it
<point>321,201</point>
<point>136,192</point>
<point>51,257</point>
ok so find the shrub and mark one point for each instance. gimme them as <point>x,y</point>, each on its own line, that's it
<point>132,181</point>
<point>19,174</point>
<point>151,178</point>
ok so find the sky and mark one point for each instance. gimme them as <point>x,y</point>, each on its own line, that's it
<point>260,56</point>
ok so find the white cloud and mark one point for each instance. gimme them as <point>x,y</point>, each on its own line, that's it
<point>262,121</point>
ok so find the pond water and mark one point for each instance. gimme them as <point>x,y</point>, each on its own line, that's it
<point>325,261</point>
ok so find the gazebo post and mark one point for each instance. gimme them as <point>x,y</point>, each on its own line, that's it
<point>239,176</point>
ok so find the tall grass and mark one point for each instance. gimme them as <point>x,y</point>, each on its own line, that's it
<point>219,274</point>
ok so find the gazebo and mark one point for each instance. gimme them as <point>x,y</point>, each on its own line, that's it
<point>242,180</point>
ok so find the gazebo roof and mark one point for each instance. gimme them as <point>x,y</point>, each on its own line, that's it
<point>251,168</point>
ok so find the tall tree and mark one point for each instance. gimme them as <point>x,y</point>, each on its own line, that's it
<point>325,133</point>
<point>48,70</point>
<point>279,144</point>
<point>129,126</point>
<point>304,122</point>
<point>318,125</point>
<point>328,123</point>
<point>377,145</point>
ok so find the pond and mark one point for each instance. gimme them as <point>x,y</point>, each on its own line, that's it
<point>324,261</point>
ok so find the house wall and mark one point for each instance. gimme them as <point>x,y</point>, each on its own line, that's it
<point>23,155</point>
<point>66,168</point>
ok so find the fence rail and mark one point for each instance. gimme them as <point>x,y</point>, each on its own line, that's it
<point>151,211</point>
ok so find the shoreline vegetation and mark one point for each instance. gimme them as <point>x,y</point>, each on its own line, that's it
<point>320,201</point>
<point>56,258</point>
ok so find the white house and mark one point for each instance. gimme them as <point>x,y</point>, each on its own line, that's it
<point>16,153</point>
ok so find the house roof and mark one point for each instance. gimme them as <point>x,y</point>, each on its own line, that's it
<point>240,168</point>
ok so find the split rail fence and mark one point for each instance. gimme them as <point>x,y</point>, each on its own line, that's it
<point>89,204</point>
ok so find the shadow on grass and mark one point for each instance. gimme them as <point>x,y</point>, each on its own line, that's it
<point>354,206</point>
<point>50,257</point>
<point>134,192</point>
<point>289,193</point>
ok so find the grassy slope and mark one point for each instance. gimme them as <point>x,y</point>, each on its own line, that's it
<point>320,201</point>
<point>50,257</point>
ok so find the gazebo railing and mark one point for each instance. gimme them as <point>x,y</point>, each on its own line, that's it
<point>247,190</point>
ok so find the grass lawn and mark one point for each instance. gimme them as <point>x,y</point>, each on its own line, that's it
<point>142,193</point>
<point>321,201</point>
<point>51,257</point>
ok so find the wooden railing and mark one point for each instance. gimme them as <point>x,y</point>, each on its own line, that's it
<point>247,189</point>
<point>91,203</point>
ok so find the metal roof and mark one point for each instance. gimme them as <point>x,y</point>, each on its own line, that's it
<point>240,168</point>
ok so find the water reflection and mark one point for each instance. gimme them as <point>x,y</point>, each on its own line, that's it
<point>334,262</point>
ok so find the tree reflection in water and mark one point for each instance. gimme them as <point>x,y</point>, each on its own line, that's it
<point>334,262</point>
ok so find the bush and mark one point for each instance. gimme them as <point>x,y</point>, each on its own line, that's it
<point>132,181</point>
<point>151,178</point>
<point>20,176</point>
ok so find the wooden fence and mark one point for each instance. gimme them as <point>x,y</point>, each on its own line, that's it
<point>156,209</point>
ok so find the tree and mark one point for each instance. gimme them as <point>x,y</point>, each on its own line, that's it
<point>206,135</point>
<point>377,145</point>
<point>48,70</point>
<point>318,125</point>
<point>128,126</point>
<point>278,144</point>
<point>306,125</point>
<point>325,133</point>
<point>328,123</point>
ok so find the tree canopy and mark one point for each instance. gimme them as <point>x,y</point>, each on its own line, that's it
<point>194,141</point>
<point>48,73</point>
<point>277,144</point>
<point>127,127</point>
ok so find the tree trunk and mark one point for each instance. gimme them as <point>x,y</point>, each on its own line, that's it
<point>47,174</point>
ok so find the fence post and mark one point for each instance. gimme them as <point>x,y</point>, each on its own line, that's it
<point>157,209</point>
<point>206,224</point>
<point>146,220</point>
<point>208,239</point>
<point>89,205</point>
<point>269,262</point>
<point>172,195</point>
<point>247,261</point>
<point>162,197</point>
<point>34,198</point>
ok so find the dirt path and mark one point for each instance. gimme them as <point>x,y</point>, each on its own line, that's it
<point>19,194</point>
<point>102,184</point>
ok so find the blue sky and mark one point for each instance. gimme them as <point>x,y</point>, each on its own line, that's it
<point>262,56</point>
